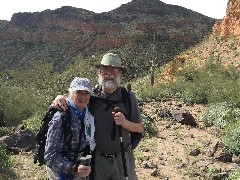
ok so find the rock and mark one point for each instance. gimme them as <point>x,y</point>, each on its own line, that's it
<point>211,151</point>
<point>162,162</point>
<point>21,141</point>
<point>180,165</point>
<point>144,164</point>
<point>149,165</point>
<point>152,165</point>
<point>220,176</point>
<point>222,154</point>
<point>178,115</point>
<point>19,127</point>
<point>155,173</point>
<point>230,25</point>
<point>180,105</point>
<point>225,157</point>
<point>195,152</point>
<point>188,119</point>
<point>165,113</point>
<point>145,149</point>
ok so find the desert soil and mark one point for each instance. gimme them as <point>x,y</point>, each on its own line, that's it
<point>175,152</point>
<point>170,155</point>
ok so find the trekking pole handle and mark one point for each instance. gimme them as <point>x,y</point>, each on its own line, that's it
<point>116,110</point>
<point>86,162</point>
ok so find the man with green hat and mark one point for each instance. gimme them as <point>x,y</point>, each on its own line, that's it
<point>109,160</point>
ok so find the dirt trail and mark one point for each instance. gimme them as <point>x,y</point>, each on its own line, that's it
<point>168,155</point>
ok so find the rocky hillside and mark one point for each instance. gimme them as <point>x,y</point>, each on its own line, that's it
<point>223,45</point>
<point>59,35</point>
<point>180,151</point>
<point>230,25</point>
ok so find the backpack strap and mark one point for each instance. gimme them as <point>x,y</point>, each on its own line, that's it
<point>42,136</point>
<point>135,136</point>
<point>66,127</point>
<point>42,133</point>
<point>126,101</point>
<point>96,100</point>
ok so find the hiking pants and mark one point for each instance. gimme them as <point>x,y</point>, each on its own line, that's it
<point>111,167</point>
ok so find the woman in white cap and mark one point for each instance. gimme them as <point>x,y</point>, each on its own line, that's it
<point>60,163</point>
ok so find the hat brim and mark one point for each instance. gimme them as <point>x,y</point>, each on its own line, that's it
<point>82,88</point>
<point>123,69</point>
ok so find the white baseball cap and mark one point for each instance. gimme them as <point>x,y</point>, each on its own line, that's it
<point>81,84</point>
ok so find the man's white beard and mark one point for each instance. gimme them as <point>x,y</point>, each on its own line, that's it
<point>109,82</point>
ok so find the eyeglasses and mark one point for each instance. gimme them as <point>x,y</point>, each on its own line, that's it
<point>109,70</point>
<point>82,92</point>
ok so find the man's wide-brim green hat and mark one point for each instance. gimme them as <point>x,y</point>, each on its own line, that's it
<point>111,60</point>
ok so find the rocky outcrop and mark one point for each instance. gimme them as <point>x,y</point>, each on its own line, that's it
<point>22,141</point>
<point>230,25</point>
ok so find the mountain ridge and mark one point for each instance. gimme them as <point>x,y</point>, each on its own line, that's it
<point>57,36</point>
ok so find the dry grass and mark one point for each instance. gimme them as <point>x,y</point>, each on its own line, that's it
<point>23,168</point>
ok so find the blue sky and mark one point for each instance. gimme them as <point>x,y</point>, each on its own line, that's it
<point>211,8</point>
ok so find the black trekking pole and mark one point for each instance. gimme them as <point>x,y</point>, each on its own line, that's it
<point>117,109</point>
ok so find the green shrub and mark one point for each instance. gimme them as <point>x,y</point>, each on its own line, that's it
<point>149,128</point>
<point>33,123</point>
<point>4,159</point>
<point>234,175</point>
<point>18,104</point>
<point>211,83</point>
<point>220,114</point>
<point>231,137</point>
<point>4,130</point>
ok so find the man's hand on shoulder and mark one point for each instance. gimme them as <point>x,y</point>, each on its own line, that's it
<point>60,103</point>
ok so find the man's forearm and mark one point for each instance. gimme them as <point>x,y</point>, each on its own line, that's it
<point>133,126</point>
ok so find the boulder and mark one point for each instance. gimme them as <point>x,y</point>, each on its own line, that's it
<point>22,141</point>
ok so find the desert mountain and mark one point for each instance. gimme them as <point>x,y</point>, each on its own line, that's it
<point>222,45</point>
<point>58,36</point>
